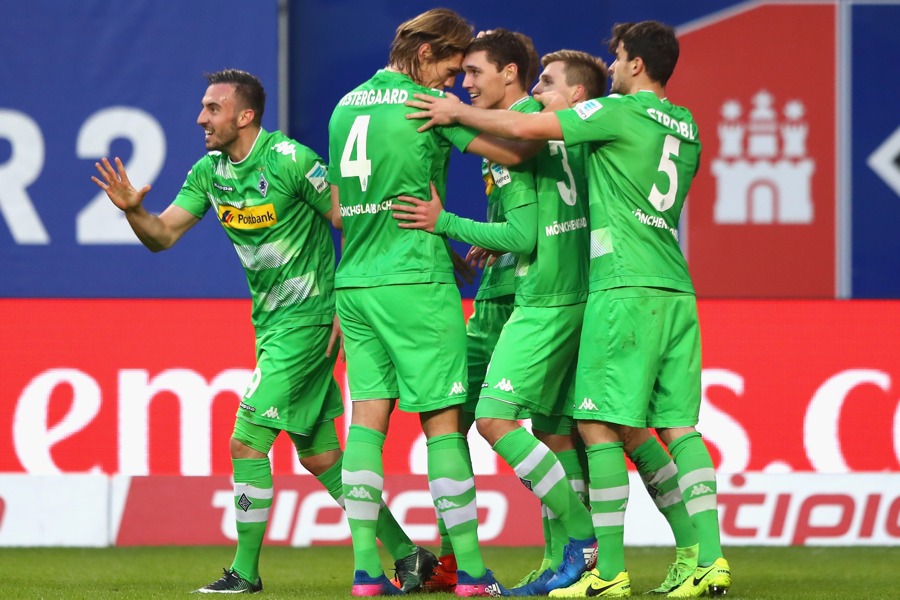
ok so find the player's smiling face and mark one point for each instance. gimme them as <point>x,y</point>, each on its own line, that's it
<point>484,82</point>
<point>219,117</point>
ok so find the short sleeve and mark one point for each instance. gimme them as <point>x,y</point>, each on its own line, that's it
<point>192,196</point>
<point>590,121</point>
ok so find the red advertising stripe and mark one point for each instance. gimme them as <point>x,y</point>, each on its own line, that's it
<point>150,387</point>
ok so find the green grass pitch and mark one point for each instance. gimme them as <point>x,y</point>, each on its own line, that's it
<point>324,573</point>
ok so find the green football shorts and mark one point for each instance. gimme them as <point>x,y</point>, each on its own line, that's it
<point>293,386</point>
<point>536,349</point>
<point>639,363</point>
<point>482,332</point>
<point>406,342</point>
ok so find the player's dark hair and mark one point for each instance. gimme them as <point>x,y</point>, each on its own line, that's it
<point>651,41</point>
<point>581,69</point>
<point>503,47</point>
<point>534,61</point>
<point>441,28</point>
<point>248,90</point>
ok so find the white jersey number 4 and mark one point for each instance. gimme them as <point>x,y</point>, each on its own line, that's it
<point>360,167</point>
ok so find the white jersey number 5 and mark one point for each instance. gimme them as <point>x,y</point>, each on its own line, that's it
<point>361,167</point>
<point>665,201</point>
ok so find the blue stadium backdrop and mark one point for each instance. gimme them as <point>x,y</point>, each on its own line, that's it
<point>82,80</point>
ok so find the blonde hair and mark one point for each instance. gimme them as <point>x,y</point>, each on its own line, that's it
<point>581,69</point>
<point>444,30</point>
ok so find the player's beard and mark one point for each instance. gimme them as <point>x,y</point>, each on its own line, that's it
<point>616,87</point>
<point>222,138</point>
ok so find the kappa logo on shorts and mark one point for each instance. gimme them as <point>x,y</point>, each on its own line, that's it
<point>505,385</point>
<point>457,389</point>
<point>272,413</point>
<point>587,404</point>
<point>360,493</point>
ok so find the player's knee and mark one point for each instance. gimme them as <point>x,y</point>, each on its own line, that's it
<point>321,462</point>
<point>239,449</point>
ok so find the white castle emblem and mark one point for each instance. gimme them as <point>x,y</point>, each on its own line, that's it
<point>763,174</point>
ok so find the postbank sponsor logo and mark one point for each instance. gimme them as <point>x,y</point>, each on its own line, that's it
<point>248,217</point>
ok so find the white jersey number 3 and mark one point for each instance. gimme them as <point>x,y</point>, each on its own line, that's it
<point>567,192</point>
<point>658,199</point>
<point>360,167</point>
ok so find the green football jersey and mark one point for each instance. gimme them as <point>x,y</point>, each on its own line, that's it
<point>376,154</point>
<point>556,272</point>
<point>506,189</point>
<point>271,205</point>
<point>643,154</point>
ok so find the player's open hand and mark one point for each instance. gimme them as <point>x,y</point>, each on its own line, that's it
<point>479,257</point>
<point>438,110</point>
<point>117,186</point>
<point>418,214</point>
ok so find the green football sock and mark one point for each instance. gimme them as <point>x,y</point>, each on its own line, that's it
<point>555,539</point>
<point>446,542</point>
<point>363,483</point>
<point>609,497</point>
<point>252,501</point>
<point>697,480</point>
<point>387,530</point>
<point>538,468</point>
<point>660,477</point>
<point>452,486</point>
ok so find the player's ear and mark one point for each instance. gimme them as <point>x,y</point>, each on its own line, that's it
<point>578,94</point>
<point>424,53</point>
<point>638,66</point>
<point>510,72</point>
<point>246,117</point>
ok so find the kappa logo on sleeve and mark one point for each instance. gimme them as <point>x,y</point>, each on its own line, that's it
<point>587,108</point>
<point>316,177</point>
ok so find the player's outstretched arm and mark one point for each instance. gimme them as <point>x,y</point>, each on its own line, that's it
<point>155,232</point>
<point>508,124</point>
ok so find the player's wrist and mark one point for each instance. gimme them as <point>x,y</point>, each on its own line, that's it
<point>443,222</point>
